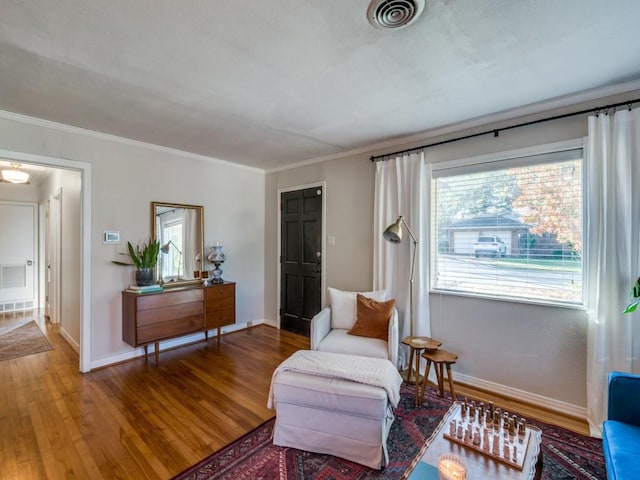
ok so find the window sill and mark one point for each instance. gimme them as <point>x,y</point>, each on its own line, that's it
<point>526,301</point>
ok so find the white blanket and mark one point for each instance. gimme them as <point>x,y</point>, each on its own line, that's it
<point>370,371</point>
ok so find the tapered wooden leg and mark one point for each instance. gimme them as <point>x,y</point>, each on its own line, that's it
<point>417,376</point>
<point>424,382</point>
<point>157,352</point>
<point>453,392</point>
<point>409,377</point>
<point>440,374</point>
<point>219,333</point>
<point>146,354</point>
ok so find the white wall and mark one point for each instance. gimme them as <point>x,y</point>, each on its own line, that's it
<point>126,178</point>
<point>532,351</point>
<point>19,193</point>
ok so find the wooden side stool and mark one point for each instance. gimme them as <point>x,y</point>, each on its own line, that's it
<point>417,344</point>
<point>440,359</point>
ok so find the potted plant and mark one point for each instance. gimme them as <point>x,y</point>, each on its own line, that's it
<point>635,296</point>
<point>144,259</point>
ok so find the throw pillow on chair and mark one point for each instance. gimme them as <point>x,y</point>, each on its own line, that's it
<point>372,318</point>
<point>343,306</point>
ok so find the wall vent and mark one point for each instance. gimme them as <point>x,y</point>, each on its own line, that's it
<point>393,14</point>
<point>17,306</point>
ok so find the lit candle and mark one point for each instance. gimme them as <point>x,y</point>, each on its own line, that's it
<point>451,467</point>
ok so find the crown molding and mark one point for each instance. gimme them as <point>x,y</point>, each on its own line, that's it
<point>505,115</point>
<point>61,127</point>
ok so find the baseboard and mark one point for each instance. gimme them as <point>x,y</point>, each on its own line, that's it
<point>242,326</point>
<point>271,323</point>
<point>539,401</point>
<point>169,344</point>
<point>70,340</point>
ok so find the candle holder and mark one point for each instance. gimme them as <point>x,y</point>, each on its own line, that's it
<point>451,467</point>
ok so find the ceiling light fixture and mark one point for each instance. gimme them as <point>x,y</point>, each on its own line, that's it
<point>14,175</point>
<point>393,14</point>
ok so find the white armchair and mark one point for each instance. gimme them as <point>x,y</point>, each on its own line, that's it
<point>330,326</point>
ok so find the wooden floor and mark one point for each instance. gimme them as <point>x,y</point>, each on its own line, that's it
<point>138,421</point>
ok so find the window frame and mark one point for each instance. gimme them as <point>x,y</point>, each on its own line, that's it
<point>498,157</point>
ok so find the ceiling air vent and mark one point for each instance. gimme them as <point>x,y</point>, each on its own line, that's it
<point>390,14</point>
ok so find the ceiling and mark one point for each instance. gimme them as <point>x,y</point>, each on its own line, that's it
<point>277,82</point>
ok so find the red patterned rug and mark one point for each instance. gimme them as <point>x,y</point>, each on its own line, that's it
<point>566,455</point>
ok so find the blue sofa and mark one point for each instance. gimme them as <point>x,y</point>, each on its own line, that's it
<point>621,430</point>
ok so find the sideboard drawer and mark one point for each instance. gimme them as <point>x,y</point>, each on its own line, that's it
<point>173,328</point>
<point>169,298</point>
<point>170,313</point>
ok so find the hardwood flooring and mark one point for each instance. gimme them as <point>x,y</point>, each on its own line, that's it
<point>135,420</point>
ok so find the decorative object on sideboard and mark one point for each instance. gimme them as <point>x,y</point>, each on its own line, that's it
<point>217,258</point>
<point>144,259</point>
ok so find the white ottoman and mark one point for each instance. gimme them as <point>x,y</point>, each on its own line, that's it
<point>333,416</point>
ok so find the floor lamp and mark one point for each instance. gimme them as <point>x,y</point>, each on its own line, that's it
<point>393,234</point>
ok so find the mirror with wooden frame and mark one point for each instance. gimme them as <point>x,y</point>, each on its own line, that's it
<point>180,230</point>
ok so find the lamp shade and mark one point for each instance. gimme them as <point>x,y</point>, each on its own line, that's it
<point>393,233</point>
<point>15,176</point>
<point>165,248</point>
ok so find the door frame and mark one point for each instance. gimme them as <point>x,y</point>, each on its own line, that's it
<point>42,271</point>
<point>323,244</point>
<point>53,245</point>
<point>85,239</point>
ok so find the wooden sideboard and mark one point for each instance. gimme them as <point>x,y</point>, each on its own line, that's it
<point>152,317</point>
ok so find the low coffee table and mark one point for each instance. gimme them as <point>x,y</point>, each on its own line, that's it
<point>479,465</point>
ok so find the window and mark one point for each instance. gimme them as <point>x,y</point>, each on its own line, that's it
<point>171,235</point>
<point>510,227</point>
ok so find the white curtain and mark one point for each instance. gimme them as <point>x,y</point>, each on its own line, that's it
<point>190,241</point>
<point>402,188</point>
<point>613,263</point>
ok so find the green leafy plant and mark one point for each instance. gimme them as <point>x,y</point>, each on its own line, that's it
<point>635,296</point>
<point>145,257</point>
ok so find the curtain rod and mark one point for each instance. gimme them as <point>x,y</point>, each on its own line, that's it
<point>496,131</point>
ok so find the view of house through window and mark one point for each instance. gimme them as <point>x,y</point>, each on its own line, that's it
<point>510,228</point>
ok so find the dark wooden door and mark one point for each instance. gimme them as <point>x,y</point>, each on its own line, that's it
<point>301,258</point>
